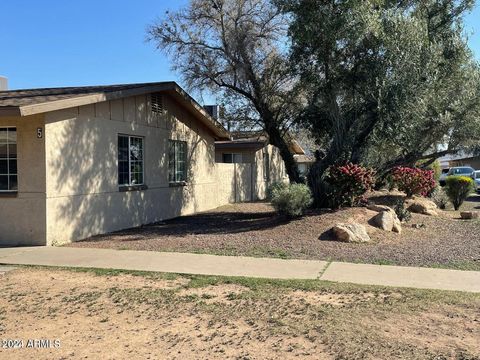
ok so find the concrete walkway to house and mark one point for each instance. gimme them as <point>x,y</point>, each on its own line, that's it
<point>200,264</point>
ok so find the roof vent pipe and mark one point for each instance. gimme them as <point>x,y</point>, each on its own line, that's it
<point>3,83</point>
<point>213,111</point>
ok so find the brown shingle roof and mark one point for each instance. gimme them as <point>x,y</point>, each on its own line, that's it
<point>246,138</point>
<point>25,97</point>
<point>35,101</point>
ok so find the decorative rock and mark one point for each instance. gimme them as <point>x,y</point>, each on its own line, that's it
<point>421,206</point>
<point>383,220</point>
<point>351,233</point>
<point>467,215</point>
<point>387,220</point>
<point>379,208</point>
<point>397,225</point>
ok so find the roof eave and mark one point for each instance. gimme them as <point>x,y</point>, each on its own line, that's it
<point>211,123</point>
<point>217,129</point>
<point>91,99</point>
<point>249,145</point>
<point>10,111</point>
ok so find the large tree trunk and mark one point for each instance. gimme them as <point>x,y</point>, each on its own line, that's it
<point>317,185</point>
<point>316,179</point>
<point>276,139</point>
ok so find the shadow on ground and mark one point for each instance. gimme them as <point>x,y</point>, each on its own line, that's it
<point>207,223</point>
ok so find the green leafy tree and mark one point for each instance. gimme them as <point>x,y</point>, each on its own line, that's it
<point>388,83</point>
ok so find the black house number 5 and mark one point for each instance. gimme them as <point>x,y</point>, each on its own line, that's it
<point>39,133</point>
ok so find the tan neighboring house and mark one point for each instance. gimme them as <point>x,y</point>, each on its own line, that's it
<point>466,160</point>
<point>80,161</point>
<point>304,163</point>
<point>257,163</point>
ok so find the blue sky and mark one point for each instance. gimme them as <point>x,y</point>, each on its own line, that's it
<point>62,43</point>
<point>90,42</point>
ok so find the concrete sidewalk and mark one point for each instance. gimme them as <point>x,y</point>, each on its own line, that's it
<point>200,264</point>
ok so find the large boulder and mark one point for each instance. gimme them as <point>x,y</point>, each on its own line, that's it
<point>386,218</point>
<point>379,208</point>
<point>421,205</point>
<point>397,225</point>
<point>355,233</point>
<point>467,215</point>
<point>388,221</point>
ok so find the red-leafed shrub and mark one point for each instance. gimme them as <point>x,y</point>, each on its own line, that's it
<point>414,181</point>
<point>348,183</point>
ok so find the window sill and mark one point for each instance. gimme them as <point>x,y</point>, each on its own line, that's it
<point>176,184</point>
<point>124,188</point>
<point>8,194</point>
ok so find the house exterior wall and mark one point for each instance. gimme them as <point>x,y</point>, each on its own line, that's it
<point>22,215</point>
<point>277,172</point>
<point>473,162</point>
<point>68,178</point>
<point>247,181</point>
<point>82,192</point>
<point>248,156</point>
<point>225,178</point>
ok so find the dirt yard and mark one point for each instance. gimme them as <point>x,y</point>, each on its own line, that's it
<point>114,315</point>
<point>253,229</point>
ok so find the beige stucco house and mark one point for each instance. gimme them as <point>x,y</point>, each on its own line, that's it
<point>76,162</point>
<point>256,164</point>
<point>258,161</point>
<point>465,160</point>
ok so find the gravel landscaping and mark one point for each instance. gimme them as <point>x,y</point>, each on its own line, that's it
<point>253,229</point>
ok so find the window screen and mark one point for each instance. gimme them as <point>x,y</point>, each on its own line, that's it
<point>8,159</point>
<point>232,158</point>
<point>177,161</point>
<point>130,160</point>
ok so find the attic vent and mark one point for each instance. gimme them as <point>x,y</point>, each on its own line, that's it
<point>157,103</point>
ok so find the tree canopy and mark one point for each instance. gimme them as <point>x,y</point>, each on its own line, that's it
<point>375,82</point>
<point>388,82</point>
<point>236,47</point>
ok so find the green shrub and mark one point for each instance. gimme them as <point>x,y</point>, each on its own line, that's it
<point>403,213</point>
<point>291,200</point>
<point>276,186</point>
<point>439,197</point>
<point>458,188</point>
<point>348,184</point>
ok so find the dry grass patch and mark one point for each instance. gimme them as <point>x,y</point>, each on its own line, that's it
<point>215,293</point>
<point>118,315</point>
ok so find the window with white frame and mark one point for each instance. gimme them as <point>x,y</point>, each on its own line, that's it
<point>130,160</point>
<point>177,161</point>
<point>8,159</point>
<point>232,158</point>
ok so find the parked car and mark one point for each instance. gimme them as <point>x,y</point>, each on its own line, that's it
<point>443,176</point>
<point>460,171</point>
<point>477,181</point>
